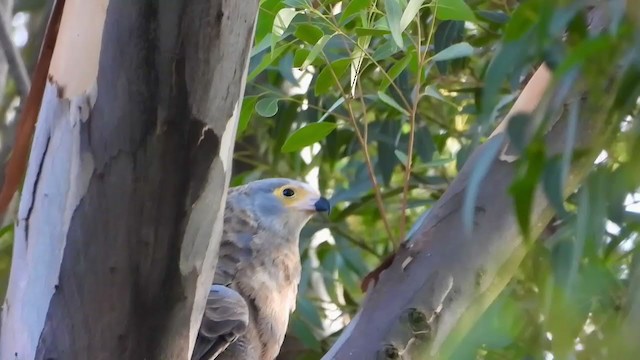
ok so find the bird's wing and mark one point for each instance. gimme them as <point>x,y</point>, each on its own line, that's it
<point>226,317</point>
<point>226,314</point>
<point>240,227</point>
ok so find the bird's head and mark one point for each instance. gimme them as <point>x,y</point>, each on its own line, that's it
<point>285,204</point>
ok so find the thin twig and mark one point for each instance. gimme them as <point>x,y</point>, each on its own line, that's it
<point>412,119</point>
<point>365,150</point>
<point>16,66</point>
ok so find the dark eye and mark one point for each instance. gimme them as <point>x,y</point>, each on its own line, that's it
<point>288,192</point>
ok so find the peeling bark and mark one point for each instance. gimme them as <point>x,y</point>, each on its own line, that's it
<point>121,209</point>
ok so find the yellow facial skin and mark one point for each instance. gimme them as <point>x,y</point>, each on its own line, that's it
<point>300,197</point>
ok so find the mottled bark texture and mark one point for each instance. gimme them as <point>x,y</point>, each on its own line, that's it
<point>120,215</point>
<point>443,278</point>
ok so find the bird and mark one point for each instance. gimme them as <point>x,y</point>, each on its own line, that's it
<point>256,278</point>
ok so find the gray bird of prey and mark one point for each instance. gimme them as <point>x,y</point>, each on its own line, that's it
<point>256,279</point>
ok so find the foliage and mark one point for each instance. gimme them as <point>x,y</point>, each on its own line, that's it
<point>381,102</point>
<point>409,89</point>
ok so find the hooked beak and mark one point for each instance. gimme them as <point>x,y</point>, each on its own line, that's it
<point>322,205</point>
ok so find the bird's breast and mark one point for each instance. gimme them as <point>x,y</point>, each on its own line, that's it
<point>271,284</point>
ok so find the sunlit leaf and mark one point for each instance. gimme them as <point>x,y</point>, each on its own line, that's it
<point>410,12</point>
<point>282,20</point>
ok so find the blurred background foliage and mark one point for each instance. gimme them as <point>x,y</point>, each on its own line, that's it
<point>379,103</point>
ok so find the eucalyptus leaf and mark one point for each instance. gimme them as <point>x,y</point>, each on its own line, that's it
<point>479,172</point>
<point>410,12</point>
<point>267,107</point>
<point>248,106</point>
<point>315,51</point>
<point>454,51</point>
<point>454,10</point>
<point>393,15</point>
<point>352,8</point>
<point>307,135</point>
<point>282,21</point>
<point>389,101</point>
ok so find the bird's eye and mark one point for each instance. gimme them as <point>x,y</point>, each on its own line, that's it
<point>288,192</point>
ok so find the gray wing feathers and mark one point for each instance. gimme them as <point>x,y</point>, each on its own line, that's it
<point>226,317</point>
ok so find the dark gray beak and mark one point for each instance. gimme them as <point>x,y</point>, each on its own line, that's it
<point>323,205</point>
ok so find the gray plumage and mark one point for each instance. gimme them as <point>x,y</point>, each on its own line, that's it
<point>258,271</point>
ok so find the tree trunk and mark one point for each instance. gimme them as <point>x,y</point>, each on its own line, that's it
<point>121,209</point>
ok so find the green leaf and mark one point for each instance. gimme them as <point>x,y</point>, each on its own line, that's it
<point>552,183</point>
<point>361,31</point>
<point>387,160</point>
<point>394,71</point>
<point>299,4</point>
<point>517,130</point>
<point>248,105</point>
<point>333,107</point>
<point>326,76</point>
<point>454,51</point>
<point>481,169</point>
<point>524,185</point>
<point>300,56</point>
<point>267,60</point>
<point>389,101</point>
<point>523,18</point>
<point>393,15</point>
<point>385,50</point>
<point>448,32</point>
<point>308,33</point>
<point>282,21</point>
<point>510,56</point>
<point>584,51</point>
<point>263,44</point>
<point>307,135</point>
<point>401,156</point>
<point>410,12</point>
<point>496,17</point>
<point>267,107</point>
<point>315,51</point>
<point>431,91</point>
<point>285,66</point>
<point>353,8</point>
<point>454,10</point>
